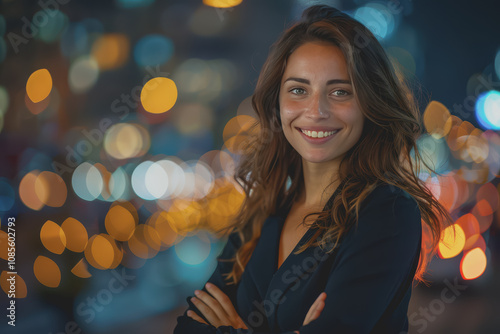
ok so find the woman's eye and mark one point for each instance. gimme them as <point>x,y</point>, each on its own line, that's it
<point>297,91</point>
<point>341,91</point>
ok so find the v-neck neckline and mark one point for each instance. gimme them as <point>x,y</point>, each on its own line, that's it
<point>282,218</point>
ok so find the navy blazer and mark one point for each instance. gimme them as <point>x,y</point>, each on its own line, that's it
<point>367,278</point>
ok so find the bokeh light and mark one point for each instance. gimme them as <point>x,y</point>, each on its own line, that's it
<point>141,187</point>
<point>121,221</point>
<point>239,132</point>
<point>81,269</point>
<point>222,3</point>
<point>488,110</point>
<point>159,95</point>
<point>160,221</point>
<point>50,23</point>
<point>27,191</point>
<point>377,19</point>
<point>193,250</point>
<point>51,189</point>
<point>87,182</point>
<point>111,51</point>
<point>452,241</point>
<point>145,242</point>
<point>47,271</point>
<point>125,140</point>
<point>470,228</point>
<point>76,235</point>
<point>152,50</point>
<point>473,264</point>
<point>437,119</point>
<point>83,74</point>
<point>39,85</point>
<point>53,237</point>
<point>102,252</point>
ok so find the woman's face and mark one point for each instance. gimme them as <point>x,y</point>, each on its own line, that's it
<point>320,116</point>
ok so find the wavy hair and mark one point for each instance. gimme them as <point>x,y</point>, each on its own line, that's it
<point>270,170</point>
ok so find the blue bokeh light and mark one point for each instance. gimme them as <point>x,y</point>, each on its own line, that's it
<point>488,110</point>
<point>153,50</point>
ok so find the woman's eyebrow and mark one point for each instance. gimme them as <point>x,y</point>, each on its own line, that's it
<point>329,82</point>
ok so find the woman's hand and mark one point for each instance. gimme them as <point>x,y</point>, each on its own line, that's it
<point>216,307</point>
<point>315,309</point>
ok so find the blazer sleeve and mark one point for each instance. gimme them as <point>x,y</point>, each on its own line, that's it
<point>375,260</point>
<point>187,325</point>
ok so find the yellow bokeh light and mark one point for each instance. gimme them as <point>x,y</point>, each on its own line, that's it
<point>102,252</point>
<point>111,51</point>
<point>160,222</point>
<point>47,272</point>
<point>51,189</point>
<point>53,237</point>
<point>222,3</point>
<point>39,85</point>
<point>76,235</point>
<point>145,243</point>
<point>452,241</point>
<point>239,132</point>
<point>185,216</point>
<point>27,191</point>
<point>20,286</point>
<point>437,119</point>
<point>81,269</point>
<point>473,264</point>
<point>159,95</point>
<point>120,222</point>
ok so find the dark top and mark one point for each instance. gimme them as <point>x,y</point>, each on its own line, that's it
<point>367,278</point>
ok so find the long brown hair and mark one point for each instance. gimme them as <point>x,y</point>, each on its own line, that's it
<point>270,170</point>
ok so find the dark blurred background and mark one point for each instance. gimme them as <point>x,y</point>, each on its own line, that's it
<point>115,182</point>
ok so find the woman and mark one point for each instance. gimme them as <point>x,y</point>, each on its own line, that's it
<point>340,129</point>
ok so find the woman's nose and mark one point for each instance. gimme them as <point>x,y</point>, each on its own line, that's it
<point>318,107</point>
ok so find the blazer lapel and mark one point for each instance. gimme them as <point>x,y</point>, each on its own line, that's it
<point>273,284</point>
<point>263,261</point>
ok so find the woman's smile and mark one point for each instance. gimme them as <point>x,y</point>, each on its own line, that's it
<point>318,137</point>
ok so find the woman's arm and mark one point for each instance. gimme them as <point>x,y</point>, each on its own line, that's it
<point>187,325</point>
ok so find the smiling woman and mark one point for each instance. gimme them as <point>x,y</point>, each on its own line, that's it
<point>342,148</point>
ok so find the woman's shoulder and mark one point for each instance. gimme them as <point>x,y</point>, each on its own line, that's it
<point>389,203</point>
<point>384,191</point>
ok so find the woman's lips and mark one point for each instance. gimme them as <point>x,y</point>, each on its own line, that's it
<point>317,140</point>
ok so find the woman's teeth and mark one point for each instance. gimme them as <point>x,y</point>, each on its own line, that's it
<point>318,134</point>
